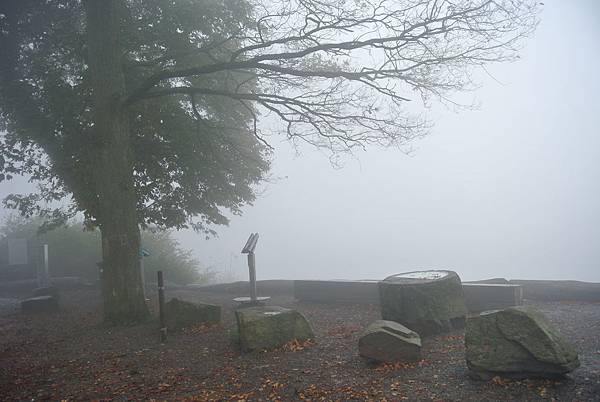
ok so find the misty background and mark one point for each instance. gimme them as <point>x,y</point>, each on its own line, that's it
<point>511,189</point>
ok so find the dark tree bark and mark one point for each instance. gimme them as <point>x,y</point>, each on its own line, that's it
<point>113,177</point>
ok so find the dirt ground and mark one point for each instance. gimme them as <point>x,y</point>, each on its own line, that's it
<point>71,355</point>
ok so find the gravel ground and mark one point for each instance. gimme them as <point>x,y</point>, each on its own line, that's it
<point>72,355</point>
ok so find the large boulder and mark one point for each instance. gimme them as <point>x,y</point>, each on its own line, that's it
<point>268,327</point>
<point>182,314</point>
<point>428,302</point>
<point>517,342</point>
<point>388,341</point>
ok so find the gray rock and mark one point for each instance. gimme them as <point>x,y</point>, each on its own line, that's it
<point>429,302</point>
<point>388,341</point>
<point>269,327</point>
<point>517,342</point>
<point>181,314</point>
<point>39,304</point>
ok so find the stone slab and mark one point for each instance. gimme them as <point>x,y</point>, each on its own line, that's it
<point>180,314</point>
<point>388,341</point>
<point>268,327</point>
<point>39,304</point>
<point>46,291</point>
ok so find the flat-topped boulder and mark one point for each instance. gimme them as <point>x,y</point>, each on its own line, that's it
<point>182,314</point>
<point>268,327</point>
<point>517,342</point>
<point>429,302</point>
<point>39,304</point>
<point>388,341</point>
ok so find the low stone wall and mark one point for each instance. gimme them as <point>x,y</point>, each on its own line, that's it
<point>559,290</point>
<point>337,291</point>
<point>552,290</point>
<point>267,287</point>
<point>478,297</point>
<point>366,291</point>
<point>491,296</point>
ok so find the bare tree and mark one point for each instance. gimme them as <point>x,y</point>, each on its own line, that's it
<point>340,74</point>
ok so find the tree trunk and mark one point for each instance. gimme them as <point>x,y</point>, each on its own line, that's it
<point>113,168</point>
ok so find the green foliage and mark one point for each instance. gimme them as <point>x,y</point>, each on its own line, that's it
<point>189,164</point>
<point>178,265</point>
<point>71,250</point>
<point>74,251</point>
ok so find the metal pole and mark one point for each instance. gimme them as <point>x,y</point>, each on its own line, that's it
<point>252,269</point>
<point>161,307</point>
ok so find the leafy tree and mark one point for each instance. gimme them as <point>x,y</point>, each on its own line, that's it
<point>145,112</point>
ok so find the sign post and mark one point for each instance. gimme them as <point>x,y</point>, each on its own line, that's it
<point>253,300</point>
<point>249,249</point>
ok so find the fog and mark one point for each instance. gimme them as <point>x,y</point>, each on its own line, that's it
<point>509,190</point>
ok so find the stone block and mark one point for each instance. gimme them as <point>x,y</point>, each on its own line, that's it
<point>268,327</point>
<point>181,314</point>
<point>517,342</point>
<point>388,341</point>
<point>39,304</point>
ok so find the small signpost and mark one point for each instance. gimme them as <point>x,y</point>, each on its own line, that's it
<point>249,249</point>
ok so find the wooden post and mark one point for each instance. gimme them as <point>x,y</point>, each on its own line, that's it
<point>161,307</point>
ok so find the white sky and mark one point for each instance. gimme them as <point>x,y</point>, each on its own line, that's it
<point>510,190</point>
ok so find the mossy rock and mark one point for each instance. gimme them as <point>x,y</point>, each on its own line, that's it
<point>428,302</point>
<point>516,342</point>
<point>181,314</point>
<point>268,327</point>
